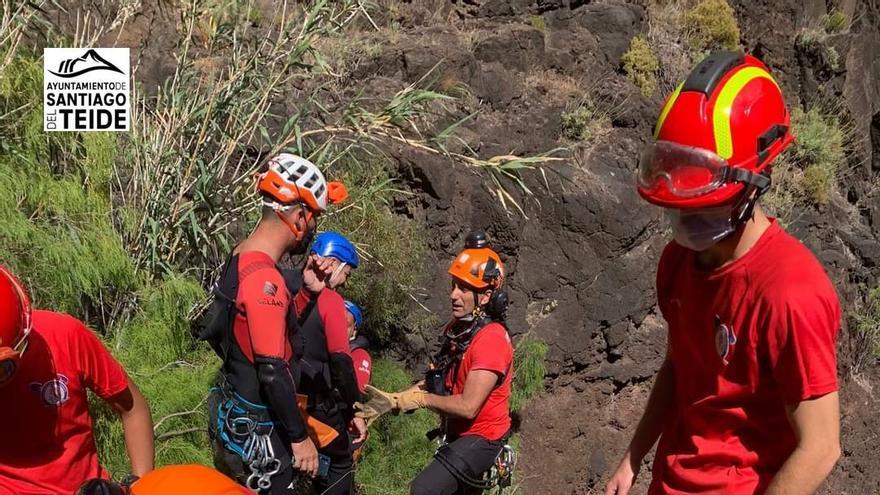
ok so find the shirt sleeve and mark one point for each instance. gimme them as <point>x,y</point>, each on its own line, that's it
<point>801,342</point>
<point>332,310</point>
<point>263,296</point>
<point>363,367</point>
<point>492,351</point>
<point>101,372</point>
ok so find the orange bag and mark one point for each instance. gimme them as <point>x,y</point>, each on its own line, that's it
<point>320,433</point>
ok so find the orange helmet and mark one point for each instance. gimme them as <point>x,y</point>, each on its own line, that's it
<point>292,179</point>
<point>478,265</point>
<point>716,135</point>
<point>186,480</point>
<point>15,323</point>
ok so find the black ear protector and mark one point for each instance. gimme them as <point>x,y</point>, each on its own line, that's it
<point>496,308</point>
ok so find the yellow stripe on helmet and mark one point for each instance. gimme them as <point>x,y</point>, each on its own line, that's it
<point>721,113</point>
<point>666,108</point>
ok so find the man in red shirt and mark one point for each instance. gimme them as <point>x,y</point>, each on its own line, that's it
<point>48,362</point>
<point>474,369</point>
<point>260,435</point>
<point>746,400</point>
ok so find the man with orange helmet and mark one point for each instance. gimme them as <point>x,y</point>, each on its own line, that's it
<point>170,480</point>
<point>260,436</point>
<point>469,383</point>
<point>48,363</point>
<point>746,399</point>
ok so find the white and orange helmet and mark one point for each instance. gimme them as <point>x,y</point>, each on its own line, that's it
<point>291,179</point>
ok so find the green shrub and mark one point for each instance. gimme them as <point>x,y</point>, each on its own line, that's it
<point>868,326</point>
<point>818,150</point>
<point>585,122</point>
<point>711,25</point>
<point>528,371</point>
<point>391,248</point>
<point>835,22</point>
<point>641,65</point>
<point>538,23</point>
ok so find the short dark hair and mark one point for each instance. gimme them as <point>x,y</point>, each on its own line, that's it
<point>100,487</point>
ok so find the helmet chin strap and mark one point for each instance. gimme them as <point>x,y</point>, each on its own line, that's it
<point>745,210</point>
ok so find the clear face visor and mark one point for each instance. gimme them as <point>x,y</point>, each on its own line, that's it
<point>686,171</point>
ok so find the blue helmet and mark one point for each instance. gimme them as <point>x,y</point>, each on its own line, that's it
<point>335,245</point>
<point>355,311</point>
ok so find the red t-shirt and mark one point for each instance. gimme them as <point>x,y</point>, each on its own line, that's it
<point>490,350</point>
<point>363,367</point>
<point>46,442</point>
<point>744,341</point>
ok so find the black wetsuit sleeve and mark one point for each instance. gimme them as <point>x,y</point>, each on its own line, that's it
<point>343,375</point>
<point>276,382</point>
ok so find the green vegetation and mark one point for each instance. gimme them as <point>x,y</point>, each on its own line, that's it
<point>528,374</point>
<point>711,25</point>
<point>539,23</point>
<point>584,122</point>
<point>867,331</point>
<point>836,22</point>
<point>397,449</point>
<point>806,173</point>
<point>641,65</point>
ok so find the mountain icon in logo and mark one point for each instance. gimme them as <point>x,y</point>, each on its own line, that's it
<point>89,61</point>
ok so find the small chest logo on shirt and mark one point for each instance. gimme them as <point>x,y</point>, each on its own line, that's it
<point>365,365</point>
<point>270,289</point>
<point>53,393</point>
<point>725,339</point>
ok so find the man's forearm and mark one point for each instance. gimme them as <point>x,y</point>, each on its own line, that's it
<point>451,405</point>
<point>654,418</point>
<point>137,424</point>
<point>804,470</point>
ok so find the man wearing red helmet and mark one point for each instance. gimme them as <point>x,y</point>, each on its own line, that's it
<point>469,383</point>
<point>260,435</point>
<point>48,362</point>
<point>746,400</point>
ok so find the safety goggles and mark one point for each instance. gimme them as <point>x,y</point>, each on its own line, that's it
<point>689,172</point>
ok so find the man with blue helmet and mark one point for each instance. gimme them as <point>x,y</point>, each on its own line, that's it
<point>325,371</point>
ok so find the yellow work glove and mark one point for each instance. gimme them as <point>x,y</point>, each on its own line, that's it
<point>411,399</point>
<point>366,412</point>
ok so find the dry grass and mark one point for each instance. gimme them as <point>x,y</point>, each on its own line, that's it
<point>553,85</point>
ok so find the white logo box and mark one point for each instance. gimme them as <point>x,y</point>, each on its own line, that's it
<point>86,89</point>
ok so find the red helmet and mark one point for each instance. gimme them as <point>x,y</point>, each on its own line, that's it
<point>717,134</point>
<point>15,323</point>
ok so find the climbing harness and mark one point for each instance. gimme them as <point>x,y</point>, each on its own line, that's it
<point>245,429</point>
<point>499,476</point>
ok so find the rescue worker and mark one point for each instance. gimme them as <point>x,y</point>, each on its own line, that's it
<point>358,345</point>
<point>261,436</point>
<point>363,366</point>
<point>470,387</point>
<point>48,363</point>
<point>746,399</point>
<point>325,371</point>
<point>169,480</point>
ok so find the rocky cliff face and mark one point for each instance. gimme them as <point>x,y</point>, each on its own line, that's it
<point>583,263</point>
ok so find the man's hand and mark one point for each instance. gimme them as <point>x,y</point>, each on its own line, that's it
<point>316,274</point>
<point>622,479</point>
<point>411,399</point>
<point>305,457</point>
<point>360,426</point>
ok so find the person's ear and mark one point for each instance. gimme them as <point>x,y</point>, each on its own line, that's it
<point>484,297</point>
